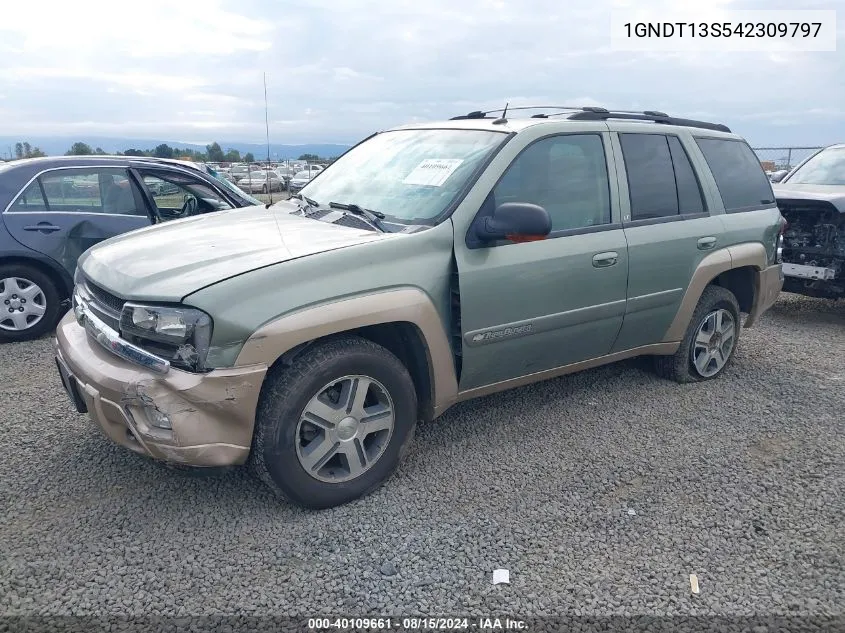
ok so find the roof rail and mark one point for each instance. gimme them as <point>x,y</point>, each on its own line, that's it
<point>480,114</point>
<point>595,113</point>
<point>648,115</point>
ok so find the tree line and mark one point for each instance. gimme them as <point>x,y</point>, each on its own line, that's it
<point>213,153</point>
<point>25,150</point>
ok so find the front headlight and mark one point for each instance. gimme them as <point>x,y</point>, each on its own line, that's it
<point>181,335</point>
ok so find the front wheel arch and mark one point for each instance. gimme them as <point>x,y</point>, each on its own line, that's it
<point>284,336</point>
<point>403,339</point>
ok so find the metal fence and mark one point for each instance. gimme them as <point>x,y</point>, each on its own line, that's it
<point>775,158</point>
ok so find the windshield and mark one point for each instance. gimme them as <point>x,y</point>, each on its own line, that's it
<point>405,174</point>
<point>234,189</point>
<point>825,168</point>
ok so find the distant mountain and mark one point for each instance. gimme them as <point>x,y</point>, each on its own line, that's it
<point>56,146</point>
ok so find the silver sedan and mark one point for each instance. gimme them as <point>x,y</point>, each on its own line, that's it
<point>261,182</point>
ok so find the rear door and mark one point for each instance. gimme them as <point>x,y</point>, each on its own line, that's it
<point>64,212</point>
<point>668,226</point>
<point>751,212</point>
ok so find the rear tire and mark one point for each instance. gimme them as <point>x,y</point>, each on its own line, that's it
<point>319,451</point>
<point>30,303</point>
<point>708,346</point>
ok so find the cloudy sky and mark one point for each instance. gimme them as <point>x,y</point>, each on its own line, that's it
<point>191,70</point>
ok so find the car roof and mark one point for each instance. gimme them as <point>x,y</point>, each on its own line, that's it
<point>517,119</point>
<point>46,162</point>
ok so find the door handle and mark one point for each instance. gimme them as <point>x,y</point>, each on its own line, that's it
<point>45,227</point>
<point>706,243</point>
<point>603,260</point>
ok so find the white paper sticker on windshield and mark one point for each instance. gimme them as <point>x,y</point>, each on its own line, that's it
<point>433,171</point>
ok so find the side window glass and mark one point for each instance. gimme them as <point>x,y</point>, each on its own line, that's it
<point>120,196</point>
<point>742,183</point>
<point>30,199</point>
<point>177,196</point>
<point>566,175</point>
<point>103,190</point>
<point>690,199</point>
<point>651,178</point>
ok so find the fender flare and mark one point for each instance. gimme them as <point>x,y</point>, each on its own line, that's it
<point>277,337</point>
<point>751,254</point>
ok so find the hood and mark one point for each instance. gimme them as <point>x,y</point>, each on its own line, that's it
<point>834,194</point>
<point>168,261</point>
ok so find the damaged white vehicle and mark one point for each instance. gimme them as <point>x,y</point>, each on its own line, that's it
<point>812,200</point>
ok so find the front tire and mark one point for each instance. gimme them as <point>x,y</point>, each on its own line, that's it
<point>30,304</point>
<point>334,425</point>
<point>710,341</point>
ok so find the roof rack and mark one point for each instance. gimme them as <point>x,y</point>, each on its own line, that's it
<point>482,114</point>
<point>648,115</point>
<point>594,113</point>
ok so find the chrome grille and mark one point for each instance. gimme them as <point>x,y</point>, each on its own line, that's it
<point>105,298</point>
<point>104,304</point>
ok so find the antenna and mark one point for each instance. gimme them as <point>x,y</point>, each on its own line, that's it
<point>267,129</point>
<point>502,119</point>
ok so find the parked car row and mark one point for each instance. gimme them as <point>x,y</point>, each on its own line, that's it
<point>261,179</point>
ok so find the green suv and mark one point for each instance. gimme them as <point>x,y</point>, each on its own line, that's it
<point>430,264</point>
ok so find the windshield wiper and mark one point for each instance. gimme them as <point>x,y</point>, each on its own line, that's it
<point>375,217</point>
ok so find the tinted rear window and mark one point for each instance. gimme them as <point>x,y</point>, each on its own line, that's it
<point>651,179</point>
<point>739,175</point>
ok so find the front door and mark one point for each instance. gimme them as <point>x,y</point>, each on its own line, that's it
<point>177,195</point>
<point>64,212</point>
<point>533,306</point>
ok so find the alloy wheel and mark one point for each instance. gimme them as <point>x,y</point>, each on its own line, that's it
<point>714,342</point>
<point>344,429</point>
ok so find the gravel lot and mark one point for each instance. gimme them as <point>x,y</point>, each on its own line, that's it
<point>600,492</point>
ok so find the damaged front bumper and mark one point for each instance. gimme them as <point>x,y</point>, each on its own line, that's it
<point>179,417</point>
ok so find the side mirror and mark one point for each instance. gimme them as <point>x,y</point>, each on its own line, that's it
<point>515,221</point>
<point>779,175</point>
